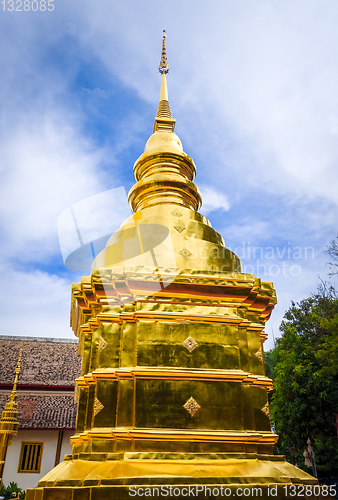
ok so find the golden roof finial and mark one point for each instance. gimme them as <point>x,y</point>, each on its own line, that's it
<point>9,423</point>
<point>163,67</point>
<point>17,373</point>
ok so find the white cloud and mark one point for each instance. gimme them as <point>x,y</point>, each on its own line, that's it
<point>213,200</point>
<point>250,231</point>
<point>36,303</point>
<point>46,166</point>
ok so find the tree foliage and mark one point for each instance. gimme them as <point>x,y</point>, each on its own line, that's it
<point>304,366</point>
<point>12,491</point>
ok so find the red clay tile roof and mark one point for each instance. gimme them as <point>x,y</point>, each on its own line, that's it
<point>47,365</point>
<point>45,362</point>
<point>50,411</point>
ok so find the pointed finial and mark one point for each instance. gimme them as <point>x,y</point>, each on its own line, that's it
<point>17,373</point>
<point>163,67</point>
<point>164,120</point>
<point>9,423</point>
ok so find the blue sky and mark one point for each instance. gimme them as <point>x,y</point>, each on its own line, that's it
<point>253,87</point>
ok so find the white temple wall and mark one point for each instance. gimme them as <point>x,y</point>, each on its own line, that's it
<point>49,438</point>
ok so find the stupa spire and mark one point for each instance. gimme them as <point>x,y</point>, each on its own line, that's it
<point>164,119</point>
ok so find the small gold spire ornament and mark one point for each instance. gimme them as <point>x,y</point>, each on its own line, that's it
<point>17,373</point>
<point>9,424</point>
<point>191,406</point>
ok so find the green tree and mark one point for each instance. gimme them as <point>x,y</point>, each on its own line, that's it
<point>305,371</point>
<point>12,491</point>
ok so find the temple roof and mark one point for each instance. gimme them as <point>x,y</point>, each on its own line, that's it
<point>44,411</point>
<point>45,391</point>
<point>45,362</point>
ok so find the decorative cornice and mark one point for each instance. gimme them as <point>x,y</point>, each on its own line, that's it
<point>225,298</point>
<point>140,373</point>
<point>247,437</point>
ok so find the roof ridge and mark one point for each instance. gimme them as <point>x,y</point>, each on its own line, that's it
<point>39,339</point>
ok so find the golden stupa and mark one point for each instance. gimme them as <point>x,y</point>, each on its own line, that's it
<point>173,392</point>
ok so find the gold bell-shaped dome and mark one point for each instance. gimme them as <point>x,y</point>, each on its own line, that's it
<point>166,203</point>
